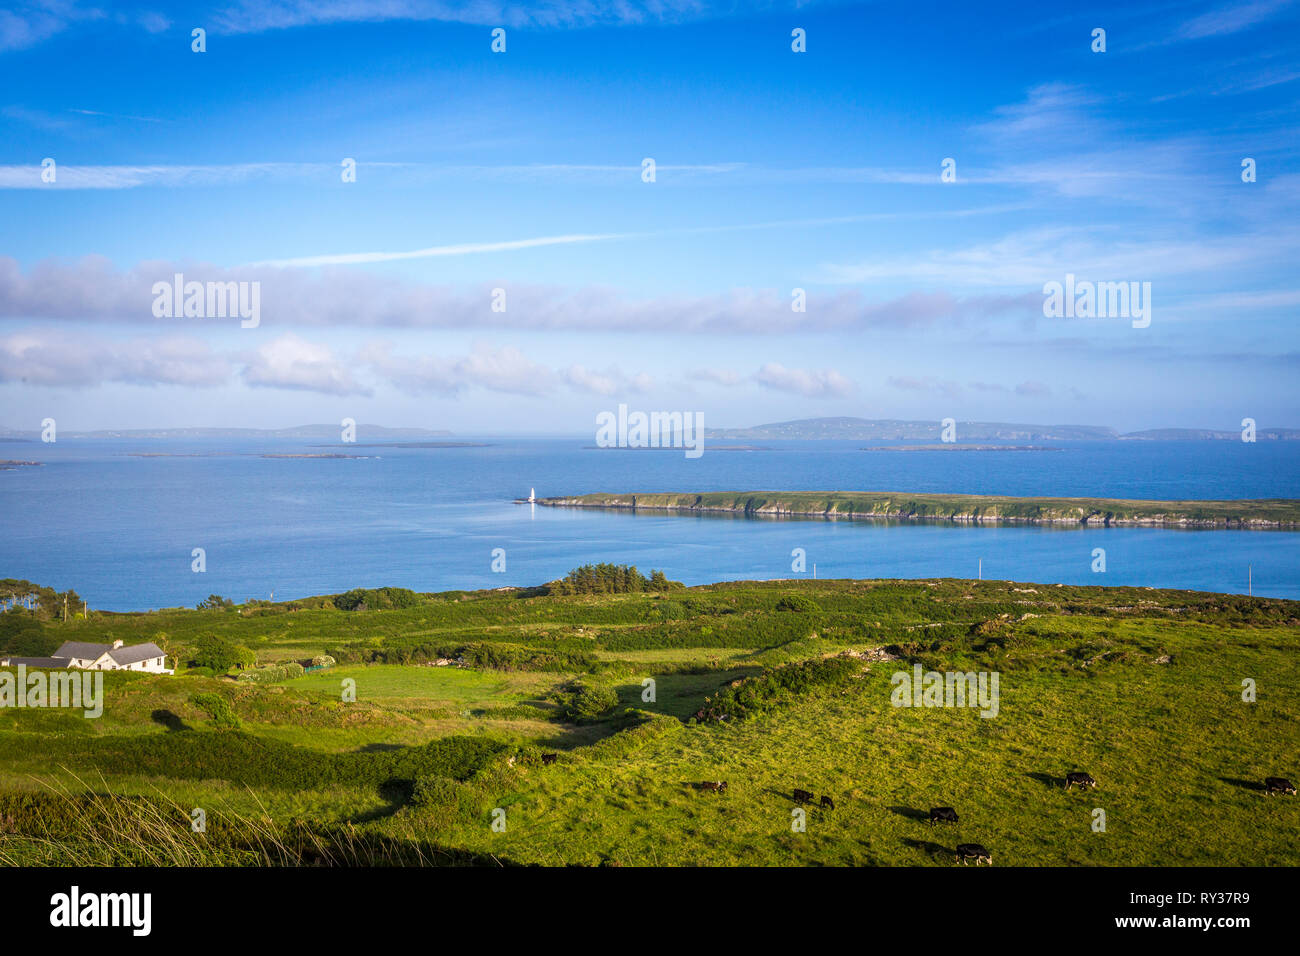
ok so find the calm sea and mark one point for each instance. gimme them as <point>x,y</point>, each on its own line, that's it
<point>121,528</point>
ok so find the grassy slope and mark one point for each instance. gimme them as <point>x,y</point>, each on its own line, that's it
<point>1282,512</point>
<point>1175,749</point>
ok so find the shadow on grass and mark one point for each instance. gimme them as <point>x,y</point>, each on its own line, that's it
<point>1047,780</point>
<point>931,849</point>
<point>1244,784</point>
<point>375,850</point>
<point>169,719</point>
<point>682,694</point>
<point>395,793</point>
<point>911,813</point>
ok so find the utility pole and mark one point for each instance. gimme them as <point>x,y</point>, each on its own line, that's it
<point>981,572</point>
<point>1250,580</point>
<point>65,609</point>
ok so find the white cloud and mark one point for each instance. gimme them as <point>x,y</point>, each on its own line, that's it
<point>501,370</point>
<point>609,382</point>
<point>53,358</point>
<point>812,383</point>
<point>91,289</point>
<point>717,376</point>
<point>294,363</point>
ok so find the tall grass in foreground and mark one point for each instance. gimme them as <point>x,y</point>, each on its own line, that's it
<point>58,827</point>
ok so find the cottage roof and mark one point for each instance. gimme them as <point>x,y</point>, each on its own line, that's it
<point>135,653</point>
<point>81,650</point>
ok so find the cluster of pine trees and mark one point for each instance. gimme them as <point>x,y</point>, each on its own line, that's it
<point>610,579</point>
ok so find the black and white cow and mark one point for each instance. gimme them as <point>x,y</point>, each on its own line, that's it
<point>1274,785</point>
<point>973,851</point>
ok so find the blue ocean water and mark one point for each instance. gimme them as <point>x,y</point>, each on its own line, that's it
<point>121,528</point>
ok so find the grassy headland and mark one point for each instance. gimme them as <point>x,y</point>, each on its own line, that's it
<point>769,686</point>
<point>976,509</point>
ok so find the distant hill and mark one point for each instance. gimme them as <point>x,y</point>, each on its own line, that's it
<point>887,429</point>
<point>1208,434</point>
<point>857,429</point>
<point>297,431</point>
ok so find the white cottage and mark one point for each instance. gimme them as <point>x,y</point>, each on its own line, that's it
<point>114,657</point>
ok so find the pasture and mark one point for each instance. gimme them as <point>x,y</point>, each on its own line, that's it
<point>1142,689</point>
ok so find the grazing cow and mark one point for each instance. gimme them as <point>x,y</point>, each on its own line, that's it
<point>549,758</point>
<point>802,796</point>
<point>828,803</point>
<point>973,851</point>
<point>1084,780</point>
<point>1274,785</point>
<point>942,815</point>
<point>717,786</point>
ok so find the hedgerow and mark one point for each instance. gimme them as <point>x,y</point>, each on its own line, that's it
<point>751,696</point>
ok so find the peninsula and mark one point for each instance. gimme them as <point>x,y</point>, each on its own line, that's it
<point>973,509</point>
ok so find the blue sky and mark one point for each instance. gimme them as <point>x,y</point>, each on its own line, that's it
<point>521,171</point>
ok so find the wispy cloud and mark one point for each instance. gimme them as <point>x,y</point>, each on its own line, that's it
<point>1030,258</point>
<point>460,249</point>
<point>131,177</point>
<point>25,24</point>
<point>1231,18</point>
<point>253,16</point>
<point>121,116</point>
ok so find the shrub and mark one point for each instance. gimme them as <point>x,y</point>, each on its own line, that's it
<point>583,700</point>
<point>218,708</point>
<point>610,579</point>
<point>798,603</point>
<point>216,653</point>
<point>273,673</point>
<point>376,599</point>
<point>22,635</point>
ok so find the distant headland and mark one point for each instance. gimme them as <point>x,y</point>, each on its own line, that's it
<point>973,509</point>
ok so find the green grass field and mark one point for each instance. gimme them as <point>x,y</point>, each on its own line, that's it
<point>1143,689</point>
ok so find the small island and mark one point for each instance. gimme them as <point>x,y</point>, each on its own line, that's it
<point>973,509</point>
